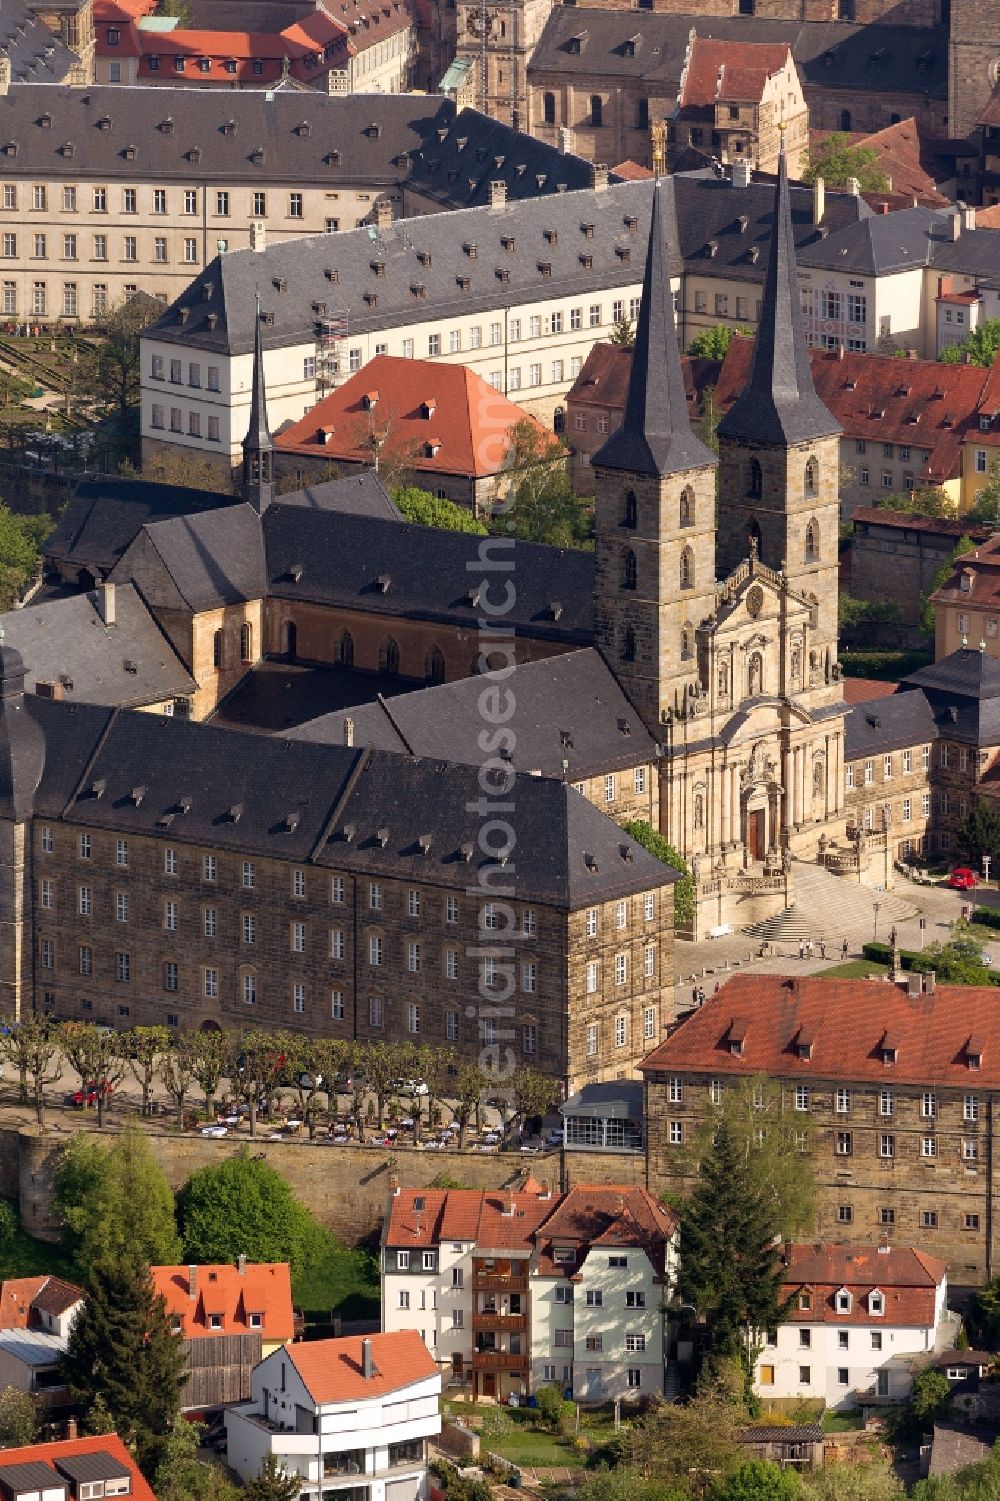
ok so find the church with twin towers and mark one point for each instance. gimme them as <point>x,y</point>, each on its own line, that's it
<point>716,592</point>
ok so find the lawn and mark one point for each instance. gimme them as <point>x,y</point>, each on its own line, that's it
<point>23,1256</point>
<point>842,1422</point>
<point>854,969</point>
<point>344,1282</point>
<point>531,1447</point>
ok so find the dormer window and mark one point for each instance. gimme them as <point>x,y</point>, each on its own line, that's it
<point>844,1301</point>
<point>564,1254</point>
<point>256,1321</point>
<point>215,1321</point>
<point>974,1053</point>
<point>805,1301</point>
<point>804,1044</point>
<point>965,580</point>
<point>737,1037</point>
<point>876,1303</point>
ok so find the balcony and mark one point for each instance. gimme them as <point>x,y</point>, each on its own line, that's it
<point>498,1360</point>
<point>500,1323</point>
<point>492,1282</point>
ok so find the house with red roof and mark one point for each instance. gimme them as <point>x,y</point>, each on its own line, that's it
<point>738,98</point>
<point>228,1318</point>
<point>862,1321</point>
<point>515,1289</point>
<point>36,1316</point>
<point>347,1417</point>
<point>72,1469</point>
<point>443,426</point>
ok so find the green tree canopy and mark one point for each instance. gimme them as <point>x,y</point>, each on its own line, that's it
<point>693,1444</point>
<point>957,962</point>
<point>981,346</point>
<point>713,343</point>
<point>182,1476</point>
<point>123,1356</point>
<point>623,333</point>
<point>759,1480</point>
<point>873,1481</point>
<point>115,1201</point>
<point>987,505</point>
<point>978,834</point>
<point>643,833</point>
<point>534,499</point>
<point>109,370</point>
<point>730,1270</point>
<point>273,1483</point>
<point>243,1207</point>
<point>941,577</point>
<point>18,1418</point>
<point>929,500</point>
<point>836,160</point>
<point>21,539</point>
<point>428,510</point>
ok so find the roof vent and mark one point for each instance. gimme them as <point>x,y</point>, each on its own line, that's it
<point>295,572</point>
<point>167,126</point>
<point>130,667</point>
<point>382,583</point>
<point>591,862</point>
<point>753,254</point>
<point>185,803</point>
<point>104,123</point>
<point>463,282</point>
<point>466,852</point>
<point>424,843</point>
<point>99,787</point>
<point>291,822</point>
<point>556,609</point>
<point>45,121</point>
<point>331,274</point>
<point>625,851</point>
<point>566,739</point>
<point>279,283</point>
<point>382,836</point>
<point>66,149</point>
<point>137,794</point>
<point>630,221</point>
<point>235,813</point>
<point>624,727</point>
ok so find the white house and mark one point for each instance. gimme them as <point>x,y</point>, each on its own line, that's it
<point>349,1417</point>
<point>858,1317</point>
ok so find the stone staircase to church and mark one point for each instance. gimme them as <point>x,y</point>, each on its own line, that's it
<point>831,908</point>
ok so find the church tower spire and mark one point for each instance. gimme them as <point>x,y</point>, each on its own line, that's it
<point>258,445</point>
<point>655,510</point>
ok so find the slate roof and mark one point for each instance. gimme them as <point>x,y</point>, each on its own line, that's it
<point>424,572</point>
<point>215,558</point>
<point>36,55</point>
<point>45,1457</point>
<point>567,708</point>
<point>332,1371</point>
<point>168,778</point>
<point>103,516</point>
<point>353,495</point>
<point>846,1021</point>
<point>455,258</point>
<point>883,244</point>
<point>66,641</point>
<point>878,726</point>
<point>795,1433</point>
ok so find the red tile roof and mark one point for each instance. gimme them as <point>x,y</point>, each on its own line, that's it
<point>988,218</point>
<point>860,690</point>
<point>991,114</point>
<point>630,171</point>
<point>66,1448</point>
<point>19,1296</point>
<point>982,566</point>
<point>730,71</point>
<point>603,380</point>
<point>909,1279</point>
<point>332,1368</point>
<point>312,47</point>
<point>418,402</point>
<point>909,521</point>
<point>847,1021</point>
<point>264,1287</point>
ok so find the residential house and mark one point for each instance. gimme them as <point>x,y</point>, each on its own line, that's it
<point>228,1319</point>
<point>516,1289</point>
<point>438,426</point>
<point>861,1321</point>
<point>46,1303</point>
<point>36,1317</point>
<point>967,605</point>
<point>72,1469</point>
<point>347,1417</point>
<point>895,1089</point>
<point>739,98</point>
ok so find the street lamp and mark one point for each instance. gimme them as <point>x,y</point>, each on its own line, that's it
<point>986,868</point>
<point>876,907</point>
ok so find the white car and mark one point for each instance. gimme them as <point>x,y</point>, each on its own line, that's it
<point>215,1131</point>
<point>410,1086</point>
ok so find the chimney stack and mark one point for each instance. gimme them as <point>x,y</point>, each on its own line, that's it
<point>383,213</point>
<point>968,217</point>
<point>955,224</point>
<point>70,1429</point>
<point>819,200</point>
<point>930,982</point>
<point>192,1281</point>
<point>367,1360</point>
<point>741,174</point>
<point>348,730</point>
<point>241,1264</point>
<point>258,234</point>
<point>498,193</point>
<point>49,690</point>
<point>106,603</point>
<point>394,1185</point>
<point>854,187</point>
<point>599,175</point>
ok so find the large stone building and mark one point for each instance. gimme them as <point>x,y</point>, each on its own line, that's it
<point>895,1088</point>
<point>973,63</point>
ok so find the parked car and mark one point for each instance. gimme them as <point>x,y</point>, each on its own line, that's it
<point>410,1086</point>
<point>963,879</point>
<point>90,1094</point>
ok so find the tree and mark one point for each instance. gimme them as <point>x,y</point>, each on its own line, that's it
<point>730,1270</point>
<point>182,1476</point>
<point>243,1207</point>
<point>312,1064</point>
<point>623,333</point>
<point>957,962</point>
<point>531,1094</point>
<point>18,1418</point>
<point>980,348</point>
<point>121,1351</point>
<point>759,1480</point>
<point>381,1063</point>
<point>185,469</point>
<point>929,1399</point>
<point>109,373</point>
<point>694,1443</point>
<point>930,500</point>
<point>99,1057</point>
<point>713,343</point>
<point>212,1055</point>
<point>115,1202</point>
<point>987,505</point>
<point>684,892</point>
<point>146,1046</point>
<point>978,834</point>
<point>177,1073</point>
<point>872,1481</point>
<point>836,160</point>
<point>963,545</point>
<point>708,424</point>
<point>468,1091</point>
<point>272,1483</point>
<point>534,499</point>
<point>428,510</point>
<point>259,1070</point>
<point>32,1046</point>
<point>982,1316</point>
<point>21,539</point>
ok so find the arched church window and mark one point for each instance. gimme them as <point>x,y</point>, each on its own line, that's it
<point>388,656</point>
<point>434,665</point>
<point>628,645</point>
<point>630,510</point>
<point>687,569</point>
<point>345,651</point>
<point>812,541</point>
<point>756,482</point>
<point>755,675</point>
<point>812,477</point>
<point>753,537</point>
<point>629,570</point>
<point>687,507</point>
<point>686,638</point>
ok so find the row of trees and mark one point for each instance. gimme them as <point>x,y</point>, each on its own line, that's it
<point>258,1066</point>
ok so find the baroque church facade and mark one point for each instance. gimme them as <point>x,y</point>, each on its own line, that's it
<point>716,595</point>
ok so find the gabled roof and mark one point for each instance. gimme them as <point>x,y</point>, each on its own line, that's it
<point>103,516</point>
<point>910,521</point>
<point>332,1369</point>
<point>214,558</point>
<point>603,380</point>
<point>35,53</point>
<point>570,719</point>
<point>848,1020</point>
<point>49,1456</point>
<point>260,1288</point>
<point>20,1297</point>
<point>729,70</point>
<point>419,404</point>
<point>309,48</point>
<point>907,1279</point>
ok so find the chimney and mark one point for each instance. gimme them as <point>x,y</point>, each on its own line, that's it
<point>5,74</point>
<point>49,690</point>
<point>367,1361</point>
<point>741,174</point>
<point>544,1192</point>
<point>914,984</point>
<point>841,350</point>
<point>884,1246</point>
<point>565,142</point>
<point>106,603</point>
<point>348,730</point>
<point>944,286</point>
<point>258,234</point>
<point>383,213</point>
<point>69,1428</point>
<point>241,1264</point>
<point>394,1185</point>
<point>883,207</point>
<point>968,217</point>
<point>819,200</point>
<point>854,187</point>
<point>955,224</point>
<point>192,1281</point>
<point>498,194</point>
<point>930,981</point>
<point>599,175</point>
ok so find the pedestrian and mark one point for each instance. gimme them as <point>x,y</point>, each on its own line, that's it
<point>810,948</point>
<point>843,949</point>
<point>694,996</point>
<point>822,948</point>
<point>802,948</point>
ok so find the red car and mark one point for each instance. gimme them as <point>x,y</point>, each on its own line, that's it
<point>963,879</point>
<point>89,1096</point>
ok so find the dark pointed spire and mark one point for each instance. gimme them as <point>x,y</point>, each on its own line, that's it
<point>779,404</point>
<point>656,436</point>
<point>258,445</point>
<point>22,743</point>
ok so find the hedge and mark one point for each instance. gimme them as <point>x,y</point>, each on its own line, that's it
<point>988,916</point>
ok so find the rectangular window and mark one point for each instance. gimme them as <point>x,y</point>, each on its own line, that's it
<point>123,967</point>
<point>337,1005</point>
<point>375,1011</point>
<point>249,990</point>
<point>592,1035</point>
<point>295,205</point>
<point>209,868</point>
<point>887,1146</point>
<point>210,987</point>
<point>249,927</point>
<point>802,1096</point>
<point>171,975</point>
<point>298,998</point>
<point>298,937</point>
